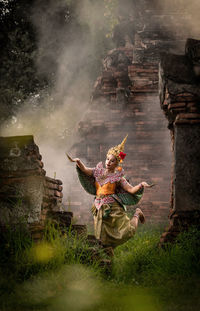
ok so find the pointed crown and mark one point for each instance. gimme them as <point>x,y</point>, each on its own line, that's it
<point>117,151</point>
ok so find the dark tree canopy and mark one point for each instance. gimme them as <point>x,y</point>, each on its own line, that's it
<point>27,66</point>
<point>18,73</point>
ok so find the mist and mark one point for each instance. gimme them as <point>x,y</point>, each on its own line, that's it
<point>70,48</point>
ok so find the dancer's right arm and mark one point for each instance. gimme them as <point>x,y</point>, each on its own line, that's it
<point>88,171</point>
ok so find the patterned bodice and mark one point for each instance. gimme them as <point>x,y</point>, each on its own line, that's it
<point>105,184</point>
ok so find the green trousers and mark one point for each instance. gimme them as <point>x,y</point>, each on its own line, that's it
<point>112,225</point>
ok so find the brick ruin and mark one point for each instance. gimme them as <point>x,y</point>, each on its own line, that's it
<point>179,90</point>
<point>30,197</point>
<point>26,193</point>
<point>125,100</point>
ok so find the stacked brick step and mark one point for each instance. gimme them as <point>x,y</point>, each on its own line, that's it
<point>52,197</point>
<point>184,107</point>
<point>144,77</point>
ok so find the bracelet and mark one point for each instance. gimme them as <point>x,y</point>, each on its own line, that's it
<point>141,185</point>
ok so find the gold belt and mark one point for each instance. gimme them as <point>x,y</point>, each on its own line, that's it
<point>103,195</point>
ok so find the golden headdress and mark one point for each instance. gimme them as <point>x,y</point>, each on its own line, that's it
<point>117,151</point>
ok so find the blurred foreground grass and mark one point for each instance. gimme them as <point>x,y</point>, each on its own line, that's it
<point>59,274</point>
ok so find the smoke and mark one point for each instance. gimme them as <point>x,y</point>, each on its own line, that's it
<point>184,21</point>
<point>72,41</point>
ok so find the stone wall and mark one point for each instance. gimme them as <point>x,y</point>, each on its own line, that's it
<point>26,193</point>
<point>180,96</point>
<point>30,197</point>
<point>125,100</point>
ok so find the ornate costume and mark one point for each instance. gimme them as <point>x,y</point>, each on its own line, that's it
<point>111,223</point>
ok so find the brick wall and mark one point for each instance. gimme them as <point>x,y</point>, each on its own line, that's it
<point>179,97</point>
<point>125,99</point>
<point>26,194</point>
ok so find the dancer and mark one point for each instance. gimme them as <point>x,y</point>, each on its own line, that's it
<point>112,193</point>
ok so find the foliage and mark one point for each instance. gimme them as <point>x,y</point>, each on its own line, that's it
<point>173,271</point>
<point>51,275</point>
<point>18,72</point>
<point>141,261</point>
<point>22,258</point>
<point>111,15</point>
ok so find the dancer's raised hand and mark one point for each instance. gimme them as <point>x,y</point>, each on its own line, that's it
<point>77,160</point>
<point>147,185</point>
<point>88,171</point>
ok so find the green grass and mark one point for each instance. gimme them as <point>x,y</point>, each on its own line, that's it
<point>59,273</point>
<point>141,260</point>
<point>173,272</point>
<point>22,258</point>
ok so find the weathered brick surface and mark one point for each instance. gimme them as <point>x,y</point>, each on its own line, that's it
<point>180,97</point>
<point>133,109</point>
<point>125,100</point>
<point>26,194</point>
<point>34,198</point>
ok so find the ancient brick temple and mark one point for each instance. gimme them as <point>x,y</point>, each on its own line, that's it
<point>180,101</point>
<point>125,100</point>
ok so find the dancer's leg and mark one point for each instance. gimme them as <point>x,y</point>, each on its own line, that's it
<point>138,215</point>
<point>134,221</point>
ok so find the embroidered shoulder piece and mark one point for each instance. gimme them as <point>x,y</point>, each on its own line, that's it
<point>99,171</point>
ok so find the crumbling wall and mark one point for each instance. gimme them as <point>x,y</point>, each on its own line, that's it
<point>125,100</point>
<point>26,193</point>
<point>179,97</point>
<point>28,196</point>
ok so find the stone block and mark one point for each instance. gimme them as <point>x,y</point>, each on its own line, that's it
<point>21,199</point>
<point>63,219</point>
<point>18,153</point>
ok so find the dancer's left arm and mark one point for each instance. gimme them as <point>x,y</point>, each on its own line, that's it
<point>132,189</point>
<point>87,170</point>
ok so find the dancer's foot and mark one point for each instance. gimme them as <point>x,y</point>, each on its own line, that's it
<point>108,250</point>
<point>140,214</point>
